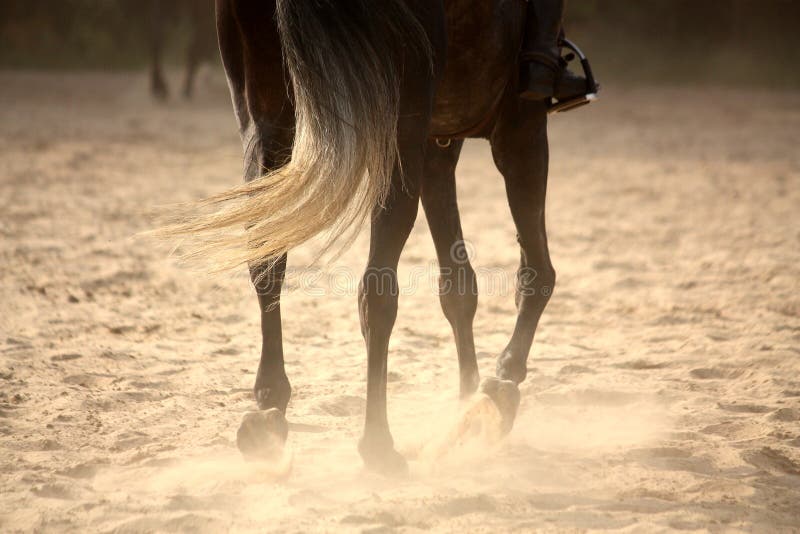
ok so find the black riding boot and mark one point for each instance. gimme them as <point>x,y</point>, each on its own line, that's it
<point>544,74</point>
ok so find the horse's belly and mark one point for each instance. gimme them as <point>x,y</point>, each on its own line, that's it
<point>483,39</point>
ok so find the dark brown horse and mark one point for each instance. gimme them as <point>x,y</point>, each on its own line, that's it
<point>358,110</point>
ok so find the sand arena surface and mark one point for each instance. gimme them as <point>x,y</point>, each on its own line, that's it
<point>664,383</point>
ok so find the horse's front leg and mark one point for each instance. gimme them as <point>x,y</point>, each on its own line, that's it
<point>519,147</point>
<point>458,289</point>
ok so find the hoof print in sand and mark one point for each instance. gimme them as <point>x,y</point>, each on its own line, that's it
<point>262,434</point>
<point>505,395</point>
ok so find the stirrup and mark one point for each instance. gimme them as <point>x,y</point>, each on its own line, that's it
<point>557,106</point>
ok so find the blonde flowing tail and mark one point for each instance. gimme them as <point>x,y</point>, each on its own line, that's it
<point>345,61</point>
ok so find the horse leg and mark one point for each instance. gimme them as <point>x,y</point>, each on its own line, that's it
<point>390,227</point>
<point>458,289</point>
<point>194,51</point>
<point>265,147</point>
<point>377,305</point>
<point>378,291</point>
<point>519,147</point>
<point>192,62</point>
<point>266,123</point>
<point>158,86</point>
<point>232,55</point>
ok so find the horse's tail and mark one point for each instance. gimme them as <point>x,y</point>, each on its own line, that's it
<point>345,61</point>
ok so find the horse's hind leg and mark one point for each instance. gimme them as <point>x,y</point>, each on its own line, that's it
<point>390,227</point>
<point>272,388</point>
<point>519,147</point>
<point>377,305</point>
<point>378,292</point>
<point>251,57</point>
<point>458,290</point>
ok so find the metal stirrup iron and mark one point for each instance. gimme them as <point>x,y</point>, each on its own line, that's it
<point>557,106</point>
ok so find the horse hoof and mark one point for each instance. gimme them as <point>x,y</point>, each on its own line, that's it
<point>262,434</point>
<point>383,460</point>
<point>505,395</point>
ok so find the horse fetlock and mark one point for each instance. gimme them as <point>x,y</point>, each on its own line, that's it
<point>272,392</point>
<point>379,454</point>
<point>511,367</point>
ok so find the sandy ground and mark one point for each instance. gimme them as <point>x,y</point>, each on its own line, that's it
<point>664,384</point>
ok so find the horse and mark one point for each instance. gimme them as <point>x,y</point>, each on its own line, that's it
<point>358,111</point>
<point>200,17</point>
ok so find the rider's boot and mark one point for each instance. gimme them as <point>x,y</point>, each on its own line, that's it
<point>543,73</point>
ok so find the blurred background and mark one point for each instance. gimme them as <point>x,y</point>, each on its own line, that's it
<point>98,34</point>
<point>751,42</point>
